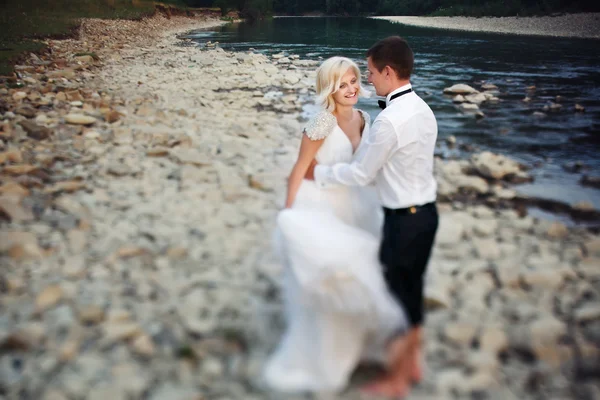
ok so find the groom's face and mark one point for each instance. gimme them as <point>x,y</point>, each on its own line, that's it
<point>377,79</point>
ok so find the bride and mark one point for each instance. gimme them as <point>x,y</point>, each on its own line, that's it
<point>338,308</point>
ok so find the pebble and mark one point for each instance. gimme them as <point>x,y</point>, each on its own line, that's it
<point>79,119</point>
<point>17,96</point>
<point>144,346</point>
<point>117,331</point>
<point>48,298</point>
<point>69,350</point>
<point>91,314</point>
<point>493,340</point>
<point>557,231</point>
<point>588,313</point>
<point>461,333</point>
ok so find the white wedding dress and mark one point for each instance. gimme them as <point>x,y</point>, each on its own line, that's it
<point>337,305</point>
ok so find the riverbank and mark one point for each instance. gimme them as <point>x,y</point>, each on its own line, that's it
<point>584,25</point>
<point>139,185</point>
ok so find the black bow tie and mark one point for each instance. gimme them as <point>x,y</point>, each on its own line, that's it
<point>382,103</point>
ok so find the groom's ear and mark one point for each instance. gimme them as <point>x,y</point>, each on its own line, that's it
<point>391,72</point>
<point>388,70</point>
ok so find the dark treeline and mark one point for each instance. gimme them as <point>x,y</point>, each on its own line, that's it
<point>257,8</point>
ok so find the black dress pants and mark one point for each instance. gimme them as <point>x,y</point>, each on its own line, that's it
<point>407,242</point>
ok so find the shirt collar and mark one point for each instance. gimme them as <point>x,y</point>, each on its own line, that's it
<point>400,89</point>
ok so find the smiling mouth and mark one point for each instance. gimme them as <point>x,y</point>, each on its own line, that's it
<point>351,96</point>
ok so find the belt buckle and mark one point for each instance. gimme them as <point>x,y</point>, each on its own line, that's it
<point>413,210</point>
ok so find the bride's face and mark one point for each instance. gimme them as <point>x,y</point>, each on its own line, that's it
<point>347,94</point>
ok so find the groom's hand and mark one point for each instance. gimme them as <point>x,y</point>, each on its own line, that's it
<point>310,172</point>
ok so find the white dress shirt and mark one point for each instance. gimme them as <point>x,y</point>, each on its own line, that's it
<point>397,157</point>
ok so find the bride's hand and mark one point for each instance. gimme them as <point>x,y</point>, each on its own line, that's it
<point>310,172</point>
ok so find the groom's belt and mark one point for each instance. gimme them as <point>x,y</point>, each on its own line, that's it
<point>408,210</point>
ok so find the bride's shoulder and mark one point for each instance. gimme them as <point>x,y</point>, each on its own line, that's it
<point>320,126</point>
<point>365,116</point>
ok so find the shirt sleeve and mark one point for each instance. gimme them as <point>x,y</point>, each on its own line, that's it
<point>381,142</point>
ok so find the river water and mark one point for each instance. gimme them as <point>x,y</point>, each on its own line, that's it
<point>569,68</point>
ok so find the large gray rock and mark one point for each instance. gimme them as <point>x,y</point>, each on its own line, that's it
<point>476,98</point>
<point>469,106</point>
<point>11,206</point>
<point>437,294</point>
<point>452,179</point>
<point>485,228</point>
<point>486,248</point>
<point>546,334</point>
<point>196,313</point>
<point>471,183</point>
<point>450,231</point>
<point>460,88</point>
<point>494,166</point>
<point>545,279</point>
<point>35,131</point>
<point>592,247</point>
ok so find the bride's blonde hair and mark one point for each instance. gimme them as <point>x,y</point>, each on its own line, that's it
<point>329,75</point>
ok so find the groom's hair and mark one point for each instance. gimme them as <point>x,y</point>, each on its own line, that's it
<point>395,52</point>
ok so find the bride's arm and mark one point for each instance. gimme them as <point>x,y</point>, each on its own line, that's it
<point>308,150</point>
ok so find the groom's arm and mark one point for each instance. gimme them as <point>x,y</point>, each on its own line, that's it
<point>380,143</point>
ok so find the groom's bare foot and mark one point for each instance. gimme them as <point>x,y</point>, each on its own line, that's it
<point>415,356</point>
<point>398,351</point>
<point>397,382</point>
<point>404,367</point>
<point>400,382</point>
<point>416,368</point>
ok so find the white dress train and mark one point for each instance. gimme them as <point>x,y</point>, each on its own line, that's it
<point>337,305</point>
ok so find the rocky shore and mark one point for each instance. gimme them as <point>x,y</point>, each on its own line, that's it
<point>140,176</point>
<point>491,179</point>
<point>584,25</point>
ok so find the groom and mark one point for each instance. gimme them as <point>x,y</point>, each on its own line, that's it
<point>399,159</point>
